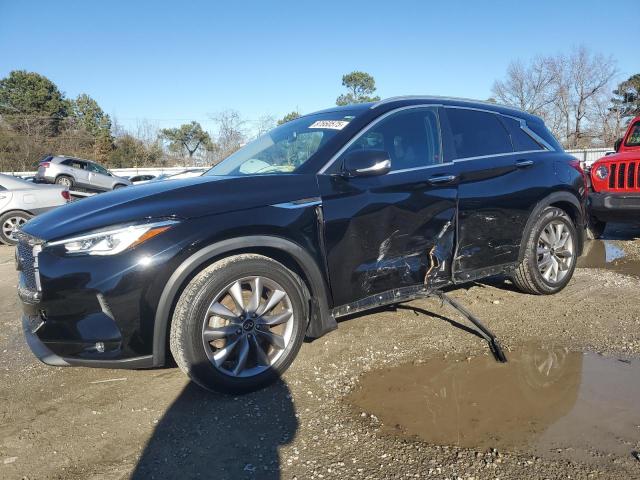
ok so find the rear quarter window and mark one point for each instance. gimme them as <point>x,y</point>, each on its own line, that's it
<point>522,141</point>
<point>475,133</point>
<point>543,132</point>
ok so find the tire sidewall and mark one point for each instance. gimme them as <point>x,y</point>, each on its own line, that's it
<point>4,239</point>
<point>68,184</point>
<point>549,215</point>
<point>201,369</point>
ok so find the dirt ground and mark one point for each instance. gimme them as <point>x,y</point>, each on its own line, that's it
<point>73,423</point>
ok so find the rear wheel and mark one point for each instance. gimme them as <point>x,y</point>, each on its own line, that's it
<point>119,185</point>
<point>550,256</point>
<point>65,181</point>
<point>239,324</point>
<point>10,222</point>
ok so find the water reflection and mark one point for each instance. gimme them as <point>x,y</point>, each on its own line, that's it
<point>543,399</point>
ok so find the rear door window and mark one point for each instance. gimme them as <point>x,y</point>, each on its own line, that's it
<point>474,133</point>
<point>75,164</point>
<point>522,141</point>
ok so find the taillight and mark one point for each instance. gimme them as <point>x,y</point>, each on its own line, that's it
<point>576,165</point>
<point>45,164</point>
<point>65,195</point>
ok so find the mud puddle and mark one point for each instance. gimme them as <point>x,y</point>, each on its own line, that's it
<point>606,255</point>
<point>552,402</point>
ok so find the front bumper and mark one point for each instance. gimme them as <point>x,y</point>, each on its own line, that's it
<point>95,311</point>
<point>619,207</point>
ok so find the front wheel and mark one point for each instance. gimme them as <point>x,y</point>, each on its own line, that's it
<point>550,256</point>
<point>239,324</point>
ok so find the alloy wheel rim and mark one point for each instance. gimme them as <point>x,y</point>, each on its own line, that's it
<point>12,224</point>
<point>248,326</point>
<point>555,251</point>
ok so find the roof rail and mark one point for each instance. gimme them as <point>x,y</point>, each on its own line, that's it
<point>436,97</point>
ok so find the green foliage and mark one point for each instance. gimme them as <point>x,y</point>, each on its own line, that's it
<point>188,137</point>
<point>88,115</point>
<point>626,98</point>
<point>360,86</point>
<point>288,117</point>
<point>30,101</point>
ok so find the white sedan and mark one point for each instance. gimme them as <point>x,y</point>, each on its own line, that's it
<point>20,200</point>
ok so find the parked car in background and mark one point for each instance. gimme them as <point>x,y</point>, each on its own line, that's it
<point>327,215</point>
<point>73,173</point>
<point>20,200</point>
<point>615,183</point>
<point>139,179</point>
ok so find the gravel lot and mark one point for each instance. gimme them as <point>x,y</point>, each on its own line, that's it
<point>92,423</point>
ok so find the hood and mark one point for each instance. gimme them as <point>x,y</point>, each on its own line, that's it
<point>188,198</point>
<point>618,157</point>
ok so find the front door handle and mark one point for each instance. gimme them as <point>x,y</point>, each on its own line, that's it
<point>439,179</point>
<point>524,163</point>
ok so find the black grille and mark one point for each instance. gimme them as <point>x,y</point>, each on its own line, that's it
<point>625,176</point>
<point>26,262</point>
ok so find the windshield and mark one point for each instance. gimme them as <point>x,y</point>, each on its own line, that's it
<point>286,148</point>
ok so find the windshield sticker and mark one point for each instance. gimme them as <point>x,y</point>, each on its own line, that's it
<point>330,124</point>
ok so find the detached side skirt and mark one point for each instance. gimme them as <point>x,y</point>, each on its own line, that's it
<point>487,334</point>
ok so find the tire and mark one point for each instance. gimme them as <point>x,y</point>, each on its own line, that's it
<point>65,181</point>
<point>215,363</point>
<point>119,185</point>
<point>595,229</point>
<point>543,249</point>
<point>11,220</point>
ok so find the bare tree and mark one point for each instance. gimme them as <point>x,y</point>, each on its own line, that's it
<point>232,133</point>
<point>263,124</point>
<point>529,87</point>
<point>566,91</point>
<point>588,76</point>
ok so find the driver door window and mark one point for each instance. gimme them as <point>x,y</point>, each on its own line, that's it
<point>410,137</point>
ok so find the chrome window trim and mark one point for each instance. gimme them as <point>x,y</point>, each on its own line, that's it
<point>535,136</point>
<point>370,125</point>
<point>521,121</point>
<point>523,126</point>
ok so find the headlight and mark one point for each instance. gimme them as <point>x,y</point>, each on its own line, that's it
<point>602,172</point>
<point>112,242</point>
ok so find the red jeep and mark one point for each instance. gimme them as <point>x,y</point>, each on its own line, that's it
<point>615,183</point>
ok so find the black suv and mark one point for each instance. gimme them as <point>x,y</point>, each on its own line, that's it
<point>330,214</point>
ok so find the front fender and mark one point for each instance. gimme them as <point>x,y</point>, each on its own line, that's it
<point>321,320</point>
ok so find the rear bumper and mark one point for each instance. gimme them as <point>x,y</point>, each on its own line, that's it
<point>619,207</point>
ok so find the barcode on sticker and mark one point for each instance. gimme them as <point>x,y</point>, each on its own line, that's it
<point>331,124</point>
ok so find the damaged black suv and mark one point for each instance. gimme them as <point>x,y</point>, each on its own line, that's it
<point>330,214</point>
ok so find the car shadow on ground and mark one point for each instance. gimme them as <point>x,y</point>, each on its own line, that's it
<point>206,435</point>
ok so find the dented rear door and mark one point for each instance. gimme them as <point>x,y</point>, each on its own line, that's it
<point>395,230</point>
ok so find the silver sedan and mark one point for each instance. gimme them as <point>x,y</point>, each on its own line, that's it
<point>20,200</point>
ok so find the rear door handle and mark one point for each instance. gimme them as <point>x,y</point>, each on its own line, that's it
<point>438,179</point>
<point>524,163</point>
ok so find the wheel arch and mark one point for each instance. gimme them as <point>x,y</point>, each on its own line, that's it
<point>567,202</point>
<point>290,254</point>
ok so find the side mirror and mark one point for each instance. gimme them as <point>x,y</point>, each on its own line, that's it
<point>616,145</point>
<point>366,163</point>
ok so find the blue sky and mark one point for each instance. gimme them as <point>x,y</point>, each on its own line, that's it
<point>175,61</point>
